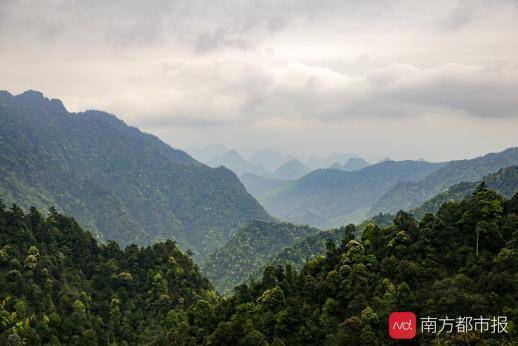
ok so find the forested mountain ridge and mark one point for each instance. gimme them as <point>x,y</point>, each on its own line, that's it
<point>409,195</point>
<point>118,182</point>
<point>250,249</point>
<point>505,182</point>
<point>328,198</point>
<point>58,286</point>
<point>300,252</point>
<point>314,246</point>
<point>460,262</point>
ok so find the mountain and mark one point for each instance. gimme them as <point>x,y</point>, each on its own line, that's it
<point>118,182</point>
<point>207,153</point>
<point>249,249</point>
<point>314,246</point>
<point>58,286</point>
<point>315,162</point>
<point>409,195</point>
<point>336,165</point>
<point>268,158</point>
<point>330,198</point>
<point>505,182</point>
<point>459,262</point>
<point>237,164</point>
<point>291,170</point>
<point>355,164</point>
<point>298,254</point>
<point>259,186</point>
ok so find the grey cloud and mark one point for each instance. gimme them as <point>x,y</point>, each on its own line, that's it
<point>214,65</point>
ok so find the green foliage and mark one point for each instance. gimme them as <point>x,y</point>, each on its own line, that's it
<point>462,261</point>
<point>59,286</point>
<point>306,249</point>
<point>249,250</point>
<point>118,182</point>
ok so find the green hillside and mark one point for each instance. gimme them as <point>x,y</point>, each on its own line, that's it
<point>249,250</point>
<point>118,182</point>
<point>460,262</point>
<point>58,286</point>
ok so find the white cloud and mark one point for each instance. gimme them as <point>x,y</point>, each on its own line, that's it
<point>185,68</point>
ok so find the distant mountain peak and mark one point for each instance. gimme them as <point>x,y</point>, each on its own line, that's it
<point>291,170</point>
<point>355,163</point>
<point>233,153</point>
<point>268,158</point>
<point>336,165</point>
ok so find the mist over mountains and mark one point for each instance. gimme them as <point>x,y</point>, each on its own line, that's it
<point>125,185</point>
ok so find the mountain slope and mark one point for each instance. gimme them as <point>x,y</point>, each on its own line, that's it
<point>121,183</point>
<point>315,162</point>
<point>237,164</point>
<point>505,182</point>
<point>406,196</point>
<point>355,164</point>
<point>207,153</point>
<point>330,198</point>
<point>58,286</point>
<point>314,246</point>
<point>268,158</point>
<point>259,186</point>
<point>432,268</point>
<point>291,170</point>
<point>249,249</point>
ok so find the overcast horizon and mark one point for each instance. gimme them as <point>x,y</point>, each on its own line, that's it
<point>404,79</point>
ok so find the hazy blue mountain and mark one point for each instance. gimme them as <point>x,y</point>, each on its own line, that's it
<point>291,170</point>
<point>336,165</point>
<point>236,163</point>
<point>328,198</point>
<point>249,249</point>
<point>208,152</point>
<point>268,158</point>
<point>408,195</point>
<point>315,162</point>
<point>120,183</point>
<point>259,186</point>
<point>355,164</point>
<point>505,182</point>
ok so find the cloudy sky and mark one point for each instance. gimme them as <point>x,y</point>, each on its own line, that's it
<point>406,79</point>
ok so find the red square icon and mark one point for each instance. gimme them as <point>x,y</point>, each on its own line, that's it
<point>402,325</point>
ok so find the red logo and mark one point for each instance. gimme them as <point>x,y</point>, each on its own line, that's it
<point>402,325</point>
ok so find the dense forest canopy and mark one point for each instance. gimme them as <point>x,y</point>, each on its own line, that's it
<point>249,250</point>
<point>463,261</point>
<point>59,286</point>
